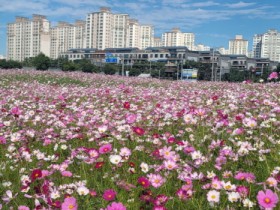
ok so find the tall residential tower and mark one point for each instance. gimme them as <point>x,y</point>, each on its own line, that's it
<point>28,37</point>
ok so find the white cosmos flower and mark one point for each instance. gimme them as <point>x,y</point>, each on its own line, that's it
<point>213,196</point>
<point>115,159</point>
<point>144,167</point>
<point>82,190</point>
<point>233,197</point>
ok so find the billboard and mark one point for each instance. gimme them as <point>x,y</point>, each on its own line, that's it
<point>189,73</point>
<point>110,58</point>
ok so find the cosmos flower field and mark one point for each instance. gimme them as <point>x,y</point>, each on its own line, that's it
<point>89,141</point>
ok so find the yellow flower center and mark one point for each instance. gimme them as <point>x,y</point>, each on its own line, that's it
<point>70,206</point>
<point>227,187</point>
<point>267,200</point>
<point>213,196</point>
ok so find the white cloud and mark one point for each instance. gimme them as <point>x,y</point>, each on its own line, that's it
<point>240,4</point>
<point>205,4</point>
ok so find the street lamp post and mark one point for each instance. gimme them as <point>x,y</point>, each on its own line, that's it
<point>122,65</point>
<point>212,75</point>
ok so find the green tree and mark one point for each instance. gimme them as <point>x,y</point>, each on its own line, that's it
<point>10,64</point>
<point>134,72</point>
<point>41,62</point>
<point>69,66</point>
<point>204,71</point>
<point>86,66</point>
<point>278,68</point>
<point>28,62</point>
<point>237,75</point>
<point>110,69</point>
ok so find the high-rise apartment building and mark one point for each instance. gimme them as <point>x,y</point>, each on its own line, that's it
<point>238,46</point>
<point>28,37</point>
<point>257,45</point>
<point>176,38</point>
<point>106,30</point>
<point>157,42</point>
<point>119,33</point>
<point>267,45</point>
<point>271,45</point>
<point>133,34</point>
<point>99,27</point>
<point>146,36</point>
<point>139,36</point>
<point>66,36</point>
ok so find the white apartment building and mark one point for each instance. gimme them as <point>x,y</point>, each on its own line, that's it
<point>133,34</point>
<point>99,27</point>
<point>176,38</point>
<point>238,46</point>
<point>139,36</point>
<point>28,37</point>
<point>106,30</point>
<point>157,42</point>
<point>257,45</point>
<point>270,45</point>
<point>66,36</point>
<point>120,25</point>
<point>146,36</point>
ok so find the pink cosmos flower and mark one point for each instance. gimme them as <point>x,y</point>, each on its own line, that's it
<point>272,182</point>
<point>125,151</point>
<point>156,180</point>
<point>109,195</point>
<point>69,203</point>
<point>2,140</point>
<point>273,75</point>
<point>131,118</point>
<point>160,200</point>
<point>66,173</point>
<point>15,111</point>
<point>243,191</point>
<point>106,148</point>
<point>23,208</point>
<point>116,206</point>
<point>249,177</point>
<point>170,165</point>
<point>267,199</point>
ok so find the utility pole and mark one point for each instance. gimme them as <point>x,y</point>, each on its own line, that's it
<point>123,65</point>
<point>212,75</point>
<point>150,67</point>
<point>181,69</point>
<point>178,64</point>
<point>262,70</point>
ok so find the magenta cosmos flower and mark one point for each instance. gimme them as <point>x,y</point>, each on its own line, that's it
<point>267,199</point>
<point>139,131</point>
<point>69,204</point>
<point>116,206</point>
<point>144,181</point>
<point>106,148</point>
<point>109,195</point>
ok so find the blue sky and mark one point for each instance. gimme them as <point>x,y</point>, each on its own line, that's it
<point>214,22</point>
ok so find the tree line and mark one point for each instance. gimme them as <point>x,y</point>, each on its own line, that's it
<point>155,69</point>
